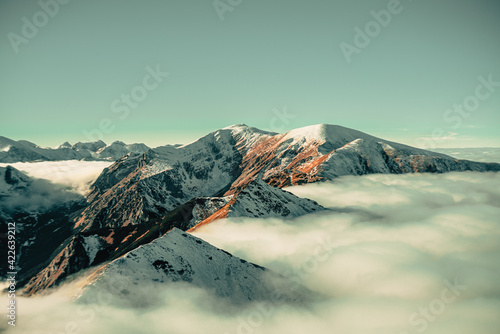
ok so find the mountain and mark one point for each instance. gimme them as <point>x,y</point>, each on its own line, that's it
<point>142,188</point>
<point>24,151</point>
<point>181,257</point>
<point>238,171</point>
<point>324,152</point>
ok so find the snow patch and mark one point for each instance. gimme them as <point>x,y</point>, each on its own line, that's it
<point>92,245</point>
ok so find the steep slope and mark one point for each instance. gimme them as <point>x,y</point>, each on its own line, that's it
<point>181,257</point>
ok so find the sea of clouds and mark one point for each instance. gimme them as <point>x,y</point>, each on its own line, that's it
<point>78,175</point>
<point>414,253</point>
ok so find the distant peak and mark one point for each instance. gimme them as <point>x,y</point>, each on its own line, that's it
<point>64,145</point>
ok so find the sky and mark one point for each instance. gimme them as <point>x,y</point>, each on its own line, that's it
<point>166,72</point>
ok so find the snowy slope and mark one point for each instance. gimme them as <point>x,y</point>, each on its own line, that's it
<point>259,200</point>
<point>181,257</point>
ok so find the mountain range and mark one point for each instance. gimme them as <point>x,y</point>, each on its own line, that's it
<point>24,151</point>
<point>139,206</point>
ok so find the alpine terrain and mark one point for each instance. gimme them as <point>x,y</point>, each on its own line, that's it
<point>134,218</point>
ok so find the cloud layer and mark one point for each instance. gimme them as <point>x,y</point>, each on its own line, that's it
<point>78,175</point>
<point>396,254</point>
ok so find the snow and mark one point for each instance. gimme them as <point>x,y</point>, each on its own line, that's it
<point>92,245</point>
<point>6,148</point>
<point>261,200</point>
<point>316,132</point>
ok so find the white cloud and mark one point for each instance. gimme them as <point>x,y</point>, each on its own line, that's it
<point>78,175</point>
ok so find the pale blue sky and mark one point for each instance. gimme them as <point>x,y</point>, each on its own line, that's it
<point>264,55</point>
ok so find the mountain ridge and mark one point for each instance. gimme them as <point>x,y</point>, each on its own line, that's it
<point>237,171</point>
